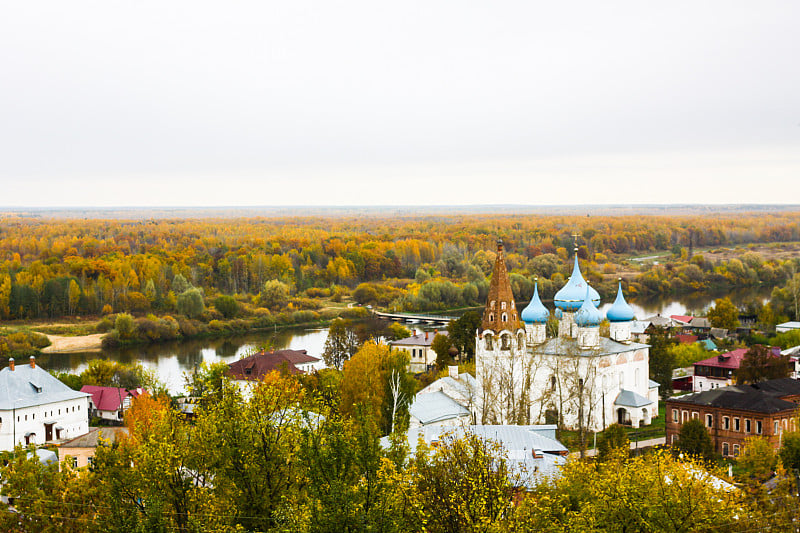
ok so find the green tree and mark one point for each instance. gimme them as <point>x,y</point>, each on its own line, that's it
<point>613,440</point>
<point>462,333</point>
<point>757,459</point>
<point>341,344</point>
<point>789,452</point>
<point>760,364</point>
<point>190,303</point>
<point>227,305</point>
<point>441,345</point>
<point>694,440</point>
<point>274,295</point>
<point>398,331</point>
<point>724,314</point>
<point>662,360</point>
<point>125,326</point>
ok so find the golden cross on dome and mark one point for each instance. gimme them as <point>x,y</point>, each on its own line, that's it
<point>575,237</point>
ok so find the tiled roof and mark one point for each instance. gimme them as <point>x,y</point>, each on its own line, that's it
<point>26,386</point>
<point>258,365</point>
<point>109,398</point>
<point>424,338</point>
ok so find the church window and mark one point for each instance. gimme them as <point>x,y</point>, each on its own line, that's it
<point>491,304</point>
<point>521,340</point>
<point>489,342</point>
<point>552,383</point>
<point>580,384</point>
<point>636,378</point>
<point>505,317</point>
<point>621,380</point>
<point>512,304</point>
<point>505,342</point>
<point>513,316</point>
<point>491,317</point>
<point>503,306</point>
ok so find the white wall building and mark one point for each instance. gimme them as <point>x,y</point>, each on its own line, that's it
<point>578,378</point>
<point>36,408</point>
<point>418,347</point>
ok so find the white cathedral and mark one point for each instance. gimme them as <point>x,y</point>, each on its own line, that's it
<point>578,379</point>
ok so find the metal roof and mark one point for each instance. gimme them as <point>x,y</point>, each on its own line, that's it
<point>424,338</point>
<point>27,386</point>
<point>564,346</point>
<point>435,407</point>
<point>628,398</point>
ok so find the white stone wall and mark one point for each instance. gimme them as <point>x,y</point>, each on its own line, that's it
<point>71,415</point>
<point>703,383</point>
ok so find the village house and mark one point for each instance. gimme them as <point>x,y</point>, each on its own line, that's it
<point>720,370</point>
<point>82,449</point>
<point>36,408</point>
<point>448,401</point>
<point>418,347</point>
<point>734,413</point>
<point>246,372</point>
<point>110,403</point>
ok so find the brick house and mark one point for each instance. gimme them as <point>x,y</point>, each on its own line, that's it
<point>720,370</point>
<point>734,413</point>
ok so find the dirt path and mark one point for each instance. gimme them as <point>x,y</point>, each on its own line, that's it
<point>83,343</point>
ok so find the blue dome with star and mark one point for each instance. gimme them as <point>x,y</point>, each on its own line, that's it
<point>571,295</point>
<point>588,314</point>
<point>620,311</point>
<point>535,312</point>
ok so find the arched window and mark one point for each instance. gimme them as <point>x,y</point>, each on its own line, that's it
<point>503,306</point>
<point>489,342</point>
<point>505,317</point>
<point>491,317</point>
<point>512,304</point>
<point>505,342</point>
<point>521,339</point>
<point>491,304</point>
<point>552,383</point>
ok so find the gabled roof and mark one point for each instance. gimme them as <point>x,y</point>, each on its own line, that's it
<point>661,321</point>
<point>639,326</point>
<point>718,333</point>
<point>258,365</point>
<point>708,344</point>
<point>731,360</point>
<point>629,398</point>
<point>109,398</point>
<point>700,322</point>
<point>682,319</point>
<point>27,386</point>
<point>436,407</point>
<point>93,438</point>
<point>423,338</point>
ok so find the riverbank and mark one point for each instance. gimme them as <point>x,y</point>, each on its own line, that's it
<point>76,344</point>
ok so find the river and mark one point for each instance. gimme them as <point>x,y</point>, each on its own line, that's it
<point>172,360</point>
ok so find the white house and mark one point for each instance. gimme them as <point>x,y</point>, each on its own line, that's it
<point>577,378</point>
<point>418,347</point>
<point>36,408</point>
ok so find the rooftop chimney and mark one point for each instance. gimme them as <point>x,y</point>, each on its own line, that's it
<point>33,362</point>
<point>426,335</point>
<point>11,364</point>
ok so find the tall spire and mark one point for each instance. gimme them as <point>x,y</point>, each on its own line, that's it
<point>501,310</point>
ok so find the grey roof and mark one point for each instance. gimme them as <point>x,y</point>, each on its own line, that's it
<point>790,325</point>
<point>639,326</point>
<point>465,385</point>
<point>518,441</point>
<point>92,439</point>
<point>628,398</point>
<point>762,397</point>
<point>563,346</point>
<point>424,338</point>
<point>661,321</point>
<point>435,407</point>
<point>20,388</point>
<point>46,457</point>
<point>700,322</point>
<point>653,384</point>
<point>719,333</point>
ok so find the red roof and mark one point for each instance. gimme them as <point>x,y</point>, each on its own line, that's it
<point>258,365</point>
<point>685,319</point>
<point>109,398</point>
<point>686,339</point>
<point>730,360</point>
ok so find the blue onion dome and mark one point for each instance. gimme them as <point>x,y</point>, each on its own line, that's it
<point>558,313</point>
<point>571,295</point>
<point>620,311</point>
<point>535,312</point>
<point>588,314</point>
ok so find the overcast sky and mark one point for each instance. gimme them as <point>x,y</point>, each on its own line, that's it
<point>358,103</point>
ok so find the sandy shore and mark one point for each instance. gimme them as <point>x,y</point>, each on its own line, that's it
<point>83,343</point>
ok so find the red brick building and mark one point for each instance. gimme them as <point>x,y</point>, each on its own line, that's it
<point>732,414</point>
